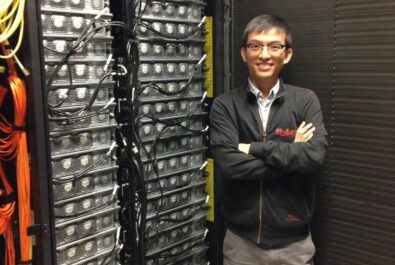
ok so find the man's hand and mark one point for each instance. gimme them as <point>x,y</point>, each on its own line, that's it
<point>304,133</point>
<point>245,148</point>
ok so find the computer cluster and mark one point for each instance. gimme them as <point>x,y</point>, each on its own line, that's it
<point>169,133</point>
<point>79,84</point>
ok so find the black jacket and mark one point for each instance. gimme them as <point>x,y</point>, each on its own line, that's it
<point>268,195</point>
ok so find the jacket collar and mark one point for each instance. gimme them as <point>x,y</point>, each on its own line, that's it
<point>252,97</point>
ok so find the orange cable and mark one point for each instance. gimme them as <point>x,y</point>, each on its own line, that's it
<point>14,145</point>
<point>7,152</point>
<point>22,166</point>
<point>6,212</point>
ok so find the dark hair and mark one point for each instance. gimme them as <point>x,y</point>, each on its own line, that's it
<point>265,23</point>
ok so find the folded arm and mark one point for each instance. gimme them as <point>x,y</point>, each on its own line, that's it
<point>306,153</point>
<point>224,139</point>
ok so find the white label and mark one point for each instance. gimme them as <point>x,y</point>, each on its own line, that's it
<point>84,160</point>
<point>106,221</point>
<point>171,87</point>
<point>156,8</point>
<point>182,29</point>
<point>66,163</point>
<point>171,106</point>
<point>65,143</point>
<point>68,187</point>
<point>170,68</point>
<point>86,204</point>
<point>80,69</point>
<point>173,181</point>
<point>81,91</point>
<point>156,26</point>
<point>87,225</point>
<point>182,10</point>
<point>159,108</point>
<point>71,252</point>
<point>58,21</point>
<point>63,70</point>
<point>158,68</point>
<point>173,199</point>
<point>60,45</point>
<point>144,48</point>
<point>183,68</point>
<point>84,139</point>
<point>169,29</point>
<point>88,246</point>
<point>70,230</point>
<point>77,22</point>
<point>144,69</point>
<point>147,129</point>
<point>69,208</point>
<point>172,162</point>
<point>146,109</point>
<point>85,182</point>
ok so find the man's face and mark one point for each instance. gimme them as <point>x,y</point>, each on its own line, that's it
<point>265,64</point>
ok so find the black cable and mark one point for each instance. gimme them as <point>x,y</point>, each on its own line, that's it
<point>171,36</point>
<point>74,178</point>
<point>94,209</point>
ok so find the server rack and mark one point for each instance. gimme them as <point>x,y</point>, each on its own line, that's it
<point>91,136</point>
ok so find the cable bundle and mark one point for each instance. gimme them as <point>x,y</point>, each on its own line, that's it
<point>6,212</point>
<point>14,146</point>
<point>11,18</point>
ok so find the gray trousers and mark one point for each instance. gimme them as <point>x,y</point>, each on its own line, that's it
<point>240,251</point>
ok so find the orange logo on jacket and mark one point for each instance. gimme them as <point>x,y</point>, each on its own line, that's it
<point>292,218</point>
<point>285,132</point>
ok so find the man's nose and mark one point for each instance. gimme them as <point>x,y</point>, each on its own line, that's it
<point>264,52</point>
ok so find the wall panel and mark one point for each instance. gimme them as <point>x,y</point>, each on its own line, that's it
<point>344,52</point>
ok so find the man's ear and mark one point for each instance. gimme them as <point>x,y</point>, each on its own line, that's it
<point>243,54</point>
<point>288,55</point>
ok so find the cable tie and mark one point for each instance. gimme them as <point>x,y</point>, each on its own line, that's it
<point>135,149</point>
<point>5,199</point>
<point>111,148</point>
<point>203,165</point>
<point>109,103</point>
<point>101,13</point>
<point>202,21</point>
<point>107,62</point>
<point>120,248</point>
<point>205,234</point>
<point>114,192</point>
<point>30,261</point>
<point>123,139</point>
<point>118,236</point>
<point>203,97</point>
<point>18,128</point>
<point>201,60</point>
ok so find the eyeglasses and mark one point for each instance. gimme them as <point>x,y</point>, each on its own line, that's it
<point>273,48</point>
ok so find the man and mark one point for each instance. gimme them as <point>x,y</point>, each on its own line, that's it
<point>268,140</point>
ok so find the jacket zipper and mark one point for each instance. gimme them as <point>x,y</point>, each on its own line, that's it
<point>261,189</point>
<point>259,239</point>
